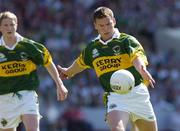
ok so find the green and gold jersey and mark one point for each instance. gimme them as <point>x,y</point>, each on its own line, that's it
<point>117,54</point>
<point>18,66</point>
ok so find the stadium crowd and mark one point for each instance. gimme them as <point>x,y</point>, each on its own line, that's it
<point>65,27</point>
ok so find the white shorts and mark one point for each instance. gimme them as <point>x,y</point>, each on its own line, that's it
<point>12,107</point>
<point>136,103</point>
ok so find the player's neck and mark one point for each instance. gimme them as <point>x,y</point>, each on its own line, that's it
<point>9,40</point>
<point>108,37</point>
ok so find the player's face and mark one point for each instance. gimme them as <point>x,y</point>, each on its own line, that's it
<point>8,27</point>
<point>105,27</point>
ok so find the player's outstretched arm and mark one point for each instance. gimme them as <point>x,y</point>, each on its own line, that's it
<point>61,89</point>
<point>66,73</point>
<point>141,68</point>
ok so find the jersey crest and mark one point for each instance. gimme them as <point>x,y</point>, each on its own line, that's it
<point>116,49</point>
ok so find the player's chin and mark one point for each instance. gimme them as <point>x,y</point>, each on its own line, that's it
<point>10,34</point>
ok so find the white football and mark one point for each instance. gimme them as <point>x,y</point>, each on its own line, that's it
<point>122,81</point>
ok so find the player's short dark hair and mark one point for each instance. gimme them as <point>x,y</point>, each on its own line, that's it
<point>102,12</point>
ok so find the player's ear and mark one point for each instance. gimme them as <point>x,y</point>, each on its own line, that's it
<point>114,21</point>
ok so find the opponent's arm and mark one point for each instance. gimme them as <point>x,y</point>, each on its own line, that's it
<point>141,68</point>
<point>61,89</point>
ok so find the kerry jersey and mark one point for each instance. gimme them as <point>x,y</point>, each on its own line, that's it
<point>18,66</point>
<point>117,54</point>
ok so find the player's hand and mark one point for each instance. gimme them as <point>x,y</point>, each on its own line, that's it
<point>147,77</point>
<point>62,72</point>
<point>62,92</point>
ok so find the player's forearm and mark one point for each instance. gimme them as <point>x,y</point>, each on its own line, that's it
<point>139,65</point>
<point>74,69</point>
<point>52,70</point>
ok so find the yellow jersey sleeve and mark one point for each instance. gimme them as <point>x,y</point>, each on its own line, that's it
<point>81,63</point>
<point>137,51</point>
<point>47,57</point>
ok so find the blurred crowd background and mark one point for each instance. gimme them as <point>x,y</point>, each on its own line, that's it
<point>65,27</point>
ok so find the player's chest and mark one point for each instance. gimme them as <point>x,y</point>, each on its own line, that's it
<point>16,54</point>
<point>110,50</point>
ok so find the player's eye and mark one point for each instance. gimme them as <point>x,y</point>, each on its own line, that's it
<point>12,24</point>
<point>5,25</point>
<point>108,24</point>
<point>101,25</point>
